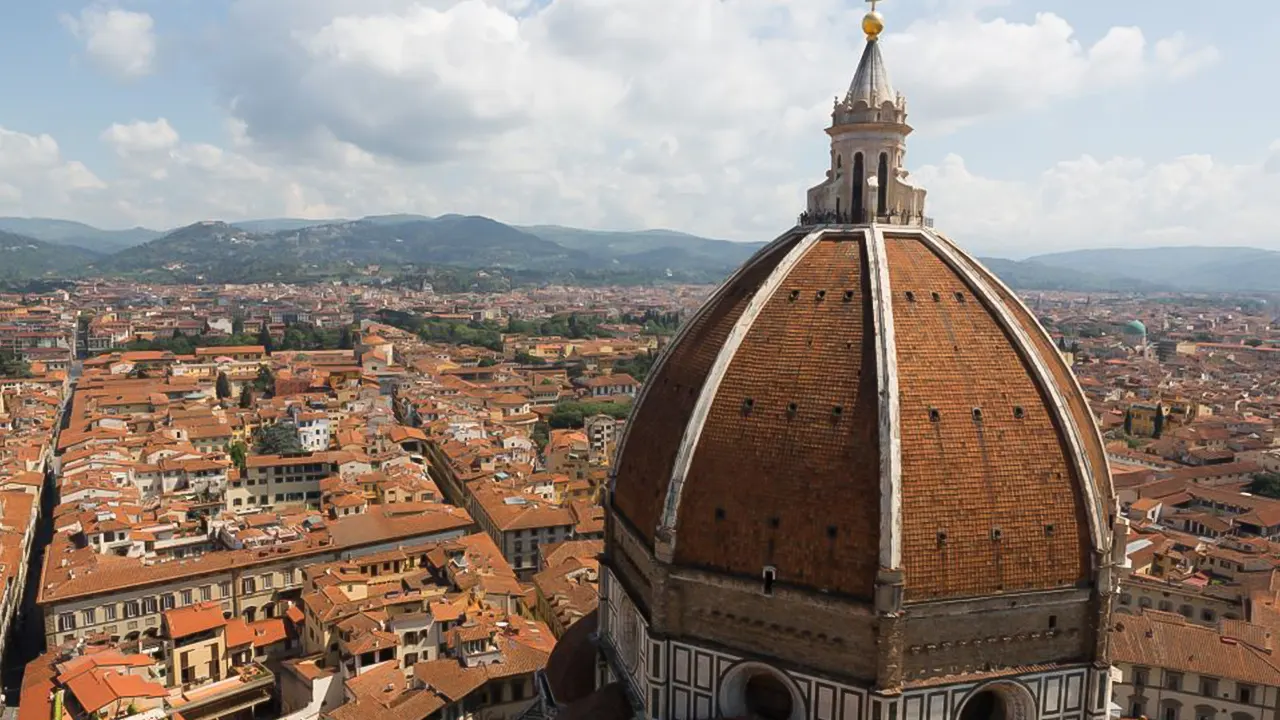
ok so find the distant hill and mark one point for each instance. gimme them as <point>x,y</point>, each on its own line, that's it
<point>216,251</point>
<point>299,249</point>
<point>1033,275</point>
<point>1207,269</point>
<point>270,225</point>
<point>650,249</point>
<point>23,258</point>
<point>67,232</point>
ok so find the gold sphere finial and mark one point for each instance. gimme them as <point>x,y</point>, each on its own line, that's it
<point>873,24</point>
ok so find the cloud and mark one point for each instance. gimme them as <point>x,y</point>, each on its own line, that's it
<point>35,177</point>
<point>1116,202</point>
<point>141,137</point>
<point>698,114</point>
<point>702,115</point>
<point>121,43</point>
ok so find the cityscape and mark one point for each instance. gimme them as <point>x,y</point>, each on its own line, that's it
<point>449,468</point>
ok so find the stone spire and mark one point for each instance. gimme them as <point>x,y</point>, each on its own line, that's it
<point>867,181</point>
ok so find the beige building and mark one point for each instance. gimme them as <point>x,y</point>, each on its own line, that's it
<point>124,599</point>
<point>1173,670</point>
<point>283,480</point>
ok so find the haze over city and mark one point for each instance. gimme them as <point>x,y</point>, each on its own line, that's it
<point>1041,126</point>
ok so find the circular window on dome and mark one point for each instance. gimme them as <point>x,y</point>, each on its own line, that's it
<point>757,691</point>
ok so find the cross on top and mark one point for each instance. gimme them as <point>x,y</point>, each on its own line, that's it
<point>873,4</point>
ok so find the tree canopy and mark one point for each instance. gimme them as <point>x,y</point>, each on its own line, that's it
<point>277,440</point>
<point>12,366</point>
<point>573,414</point>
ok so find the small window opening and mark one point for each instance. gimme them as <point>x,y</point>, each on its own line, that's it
<point>1048,529</point>
<point>774,522</point>
<point>822,294</point>
<point>848,296</point>
<point>960,297</point>
<point>795,294</point>
<point>837,412</point>
<point>936,297</point>
<point>747,405</point>
<point>942,538</point>
<point>911,297</point>
<point>977,414</point>
<point>996,534</point>
<point>1018,412</point>
<point>719,513</point>
<point>1053,621</point>
<point>770,575</point>
<point>831,532</point>
<point>934,415</point>
<point>792,408</point>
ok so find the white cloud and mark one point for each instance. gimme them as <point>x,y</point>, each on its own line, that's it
<point>1117,202</point>
<point>697,114</point>
<point>141,137</point>
<point>35,179</point>
<point>121,43</point>
<point>701,115</point>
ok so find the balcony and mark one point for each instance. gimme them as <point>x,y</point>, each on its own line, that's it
<point>249,686</point>
<point>812,218</point>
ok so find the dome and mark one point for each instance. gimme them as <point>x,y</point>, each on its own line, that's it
<point>1135,327</point>
<point>862,398</point>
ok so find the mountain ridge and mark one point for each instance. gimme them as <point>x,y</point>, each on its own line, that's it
<point>301,249</point>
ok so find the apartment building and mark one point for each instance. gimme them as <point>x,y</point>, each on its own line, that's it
<point>83,594</point>
<point>279,480</point>
<point>1173,670</point>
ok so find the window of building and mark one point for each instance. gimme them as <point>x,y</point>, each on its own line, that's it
<point>1208,615</point>
<point>1170,712</point>
<point>1244,693</point>
<point>88,617</point>
<point>148,605</point>
<point>224,589</point>
<point>109,611</point>
<point>206,593</point>
<point>1172,680</point>
<point>1209,687</point>
<point>1144,602</point>
<point>66,621</point>
<point>1140,676</point>
<point>268,580</point>
<point>187,597</point>
<point>248,585</point>
<point>132,609</point>
<point>1126,599</point>
<point>167,601</point>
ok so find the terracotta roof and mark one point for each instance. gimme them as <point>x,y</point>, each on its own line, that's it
<point>1167,641</point>
<point>193,619</point>
<point>785,471</point>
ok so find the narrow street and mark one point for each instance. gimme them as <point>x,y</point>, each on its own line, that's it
<point>26,640</point>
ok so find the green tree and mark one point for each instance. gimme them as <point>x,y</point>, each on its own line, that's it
<point>1266,484</point>
<point>294,339</point>
<point>1253,342</point>
<point>488,362</point>
<point>223,386</point>
<point>637,367</point>
<point>12,366</point>
<point>572,414</point>
<point>264,338</point>
<point>524,358</point>
<point>346,340</point>
<point>239,453</point>
<point>266,382</point>
<point>246,398</point>
<point>277,440</point>
<point>237,324</point>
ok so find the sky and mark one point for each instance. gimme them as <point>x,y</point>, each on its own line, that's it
<point>1039,126</point>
